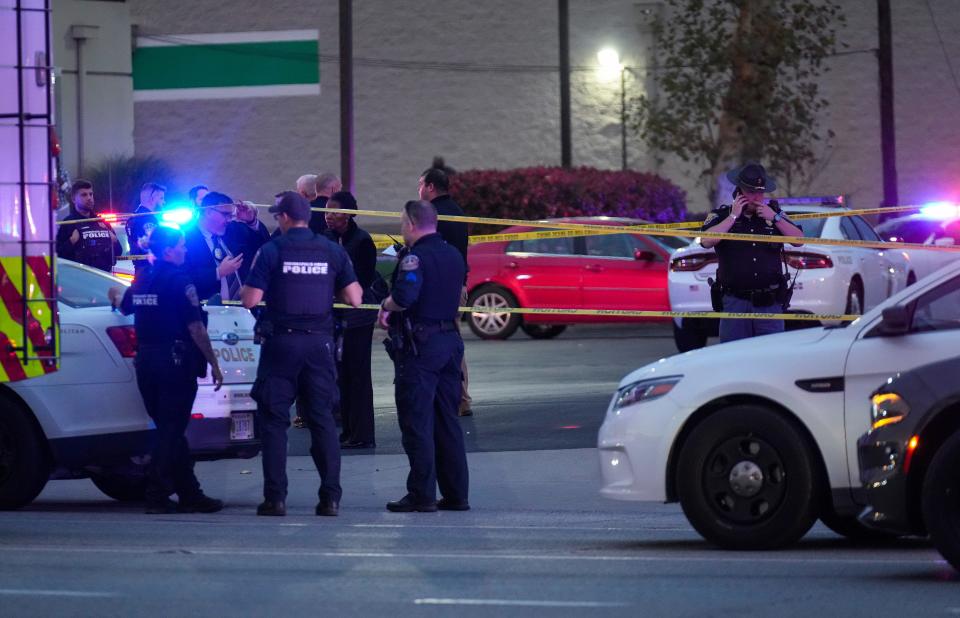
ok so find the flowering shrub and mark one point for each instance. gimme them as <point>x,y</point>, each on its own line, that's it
<point>547,192</point>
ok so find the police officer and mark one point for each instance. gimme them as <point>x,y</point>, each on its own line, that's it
<point>298,273</point>
<point>173,350</point>
<point>93,243</point>
<point>426,348</point>
<point>152,199</point>
<point>750,274</point>
<point>434,186</point>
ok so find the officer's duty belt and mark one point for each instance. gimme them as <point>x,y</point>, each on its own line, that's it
<point>759,297</point>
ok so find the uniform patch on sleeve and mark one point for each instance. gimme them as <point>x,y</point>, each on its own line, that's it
<point>191,292</point>
<point>713,217</point>
<point>410,262</point>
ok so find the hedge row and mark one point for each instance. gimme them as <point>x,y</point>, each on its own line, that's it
<point>547,192</point>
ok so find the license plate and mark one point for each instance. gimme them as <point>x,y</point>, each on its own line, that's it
<point>241,426</point>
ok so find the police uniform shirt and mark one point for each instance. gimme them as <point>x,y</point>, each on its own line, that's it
<point>745,265</point>
<point>328,261</point>
<point>138,227</point>
<point>97,245</point>
<point>164,301</point>
<point>427,281</point>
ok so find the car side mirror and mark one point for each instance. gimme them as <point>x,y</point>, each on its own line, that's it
<point>644,256</point>
<point>895,321</point>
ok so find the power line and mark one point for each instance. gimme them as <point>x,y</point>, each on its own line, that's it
<point>943,47</point>
<point>455,67</point>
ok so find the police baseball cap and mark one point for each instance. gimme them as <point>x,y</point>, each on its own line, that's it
<point>293,205</point>
<point>752,177</point>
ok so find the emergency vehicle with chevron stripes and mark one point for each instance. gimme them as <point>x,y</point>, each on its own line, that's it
<point>69,405</point>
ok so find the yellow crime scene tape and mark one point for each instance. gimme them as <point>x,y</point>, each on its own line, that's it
<point>629,313</point>
<point>563,230</point>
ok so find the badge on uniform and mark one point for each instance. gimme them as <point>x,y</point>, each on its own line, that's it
<point>218,253</point>
<point>410,262</point>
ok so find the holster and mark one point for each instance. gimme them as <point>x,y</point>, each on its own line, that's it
<point>262,331</point>
<point>716,294</point>
<point>784,292</point>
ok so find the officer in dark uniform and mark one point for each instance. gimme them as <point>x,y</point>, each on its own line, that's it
<point>152,199</point>
<point>434,186</point>
<point>751,274</point>
<point>173,350</point>
<point>426,348</point>
<point>298,273</point>
<point>93,243</point>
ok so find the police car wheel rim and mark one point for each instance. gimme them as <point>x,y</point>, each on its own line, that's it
<point>744,480</point>
<point>491,323</point>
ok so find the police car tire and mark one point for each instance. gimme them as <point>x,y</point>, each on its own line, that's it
<point>784,454</point>
<point>122,488</point>
<point>940,500</point>
<point>688,338</point>
<point>508,300</point>
<point>24,462</point>
<point>856,289</point>
<point>543,331</point>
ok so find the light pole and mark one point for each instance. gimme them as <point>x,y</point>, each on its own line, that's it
<point>610,66</point>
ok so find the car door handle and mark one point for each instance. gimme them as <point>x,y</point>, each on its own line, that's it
<point>512,265</point>
<point>595,268</point>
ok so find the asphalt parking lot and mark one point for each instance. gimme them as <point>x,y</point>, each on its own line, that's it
<point>539,539</point>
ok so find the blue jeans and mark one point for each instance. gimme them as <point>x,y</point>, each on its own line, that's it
<point>731,330</point>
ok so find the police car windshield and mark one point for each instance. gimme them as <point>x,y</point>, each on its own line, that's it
<point>80,287</point>
<point>811,227</point>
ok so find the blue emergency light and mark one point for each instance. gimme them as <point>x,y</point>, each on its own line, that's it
<point>941,210</point>
<point>177,216</point>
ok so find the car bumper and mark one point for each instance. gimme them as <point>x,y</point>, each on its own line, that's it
<point>817,291</point>
<point>223,424</point>
<point>882,459</point>
<point>634,445</point>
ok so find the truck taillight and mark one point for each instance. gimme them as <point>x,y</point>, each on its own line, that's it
<point>689,263</point>
<point>807,261</point>
<point>125,338</point>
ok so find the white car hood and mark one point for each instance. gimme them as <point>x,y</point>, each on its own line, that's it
<point>762,355</point>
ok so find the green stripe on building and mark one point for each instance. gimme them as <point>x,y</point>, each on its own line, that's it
<point>226,65</point>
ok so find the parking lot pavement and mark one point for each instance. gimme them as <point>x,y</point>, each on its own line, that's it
<point>539,540</point>
<point>529,394</point>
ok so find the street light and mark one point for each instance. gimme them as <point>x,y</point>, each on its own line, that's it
<point>610,66</point>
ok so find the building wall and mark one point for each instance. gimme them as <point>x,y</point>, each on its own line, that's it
<point>487,115</point>
<point>107,83</point>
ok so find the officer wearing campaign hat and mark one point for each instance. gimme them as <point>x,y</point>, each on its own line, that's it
<point>750,275</point>
<point>298,274</point>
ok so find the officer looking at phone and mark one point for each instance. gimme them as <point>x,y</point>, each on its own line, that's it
<point>750,275</point>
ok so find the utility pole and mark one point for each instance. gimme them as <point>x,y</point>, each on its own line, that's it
<point>566,149</point>
<point>888,138</point>
<point>346,94</point>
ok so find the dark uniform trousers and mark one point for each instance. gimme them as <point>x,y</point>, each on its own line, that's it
<point>356,385</point>
<point>169,402</point>
<point>427,395</point>
<point>293,363</point>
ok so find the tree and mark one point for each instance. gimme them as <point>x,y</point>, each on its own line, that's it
<point>117,180</point>
<point>738,81</point>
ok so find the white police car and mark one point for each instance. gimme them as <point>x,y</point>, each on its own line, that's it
<point>757,438</point>
<point>936,225</point>
<point>88,419</point>
<point>829,279</point>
